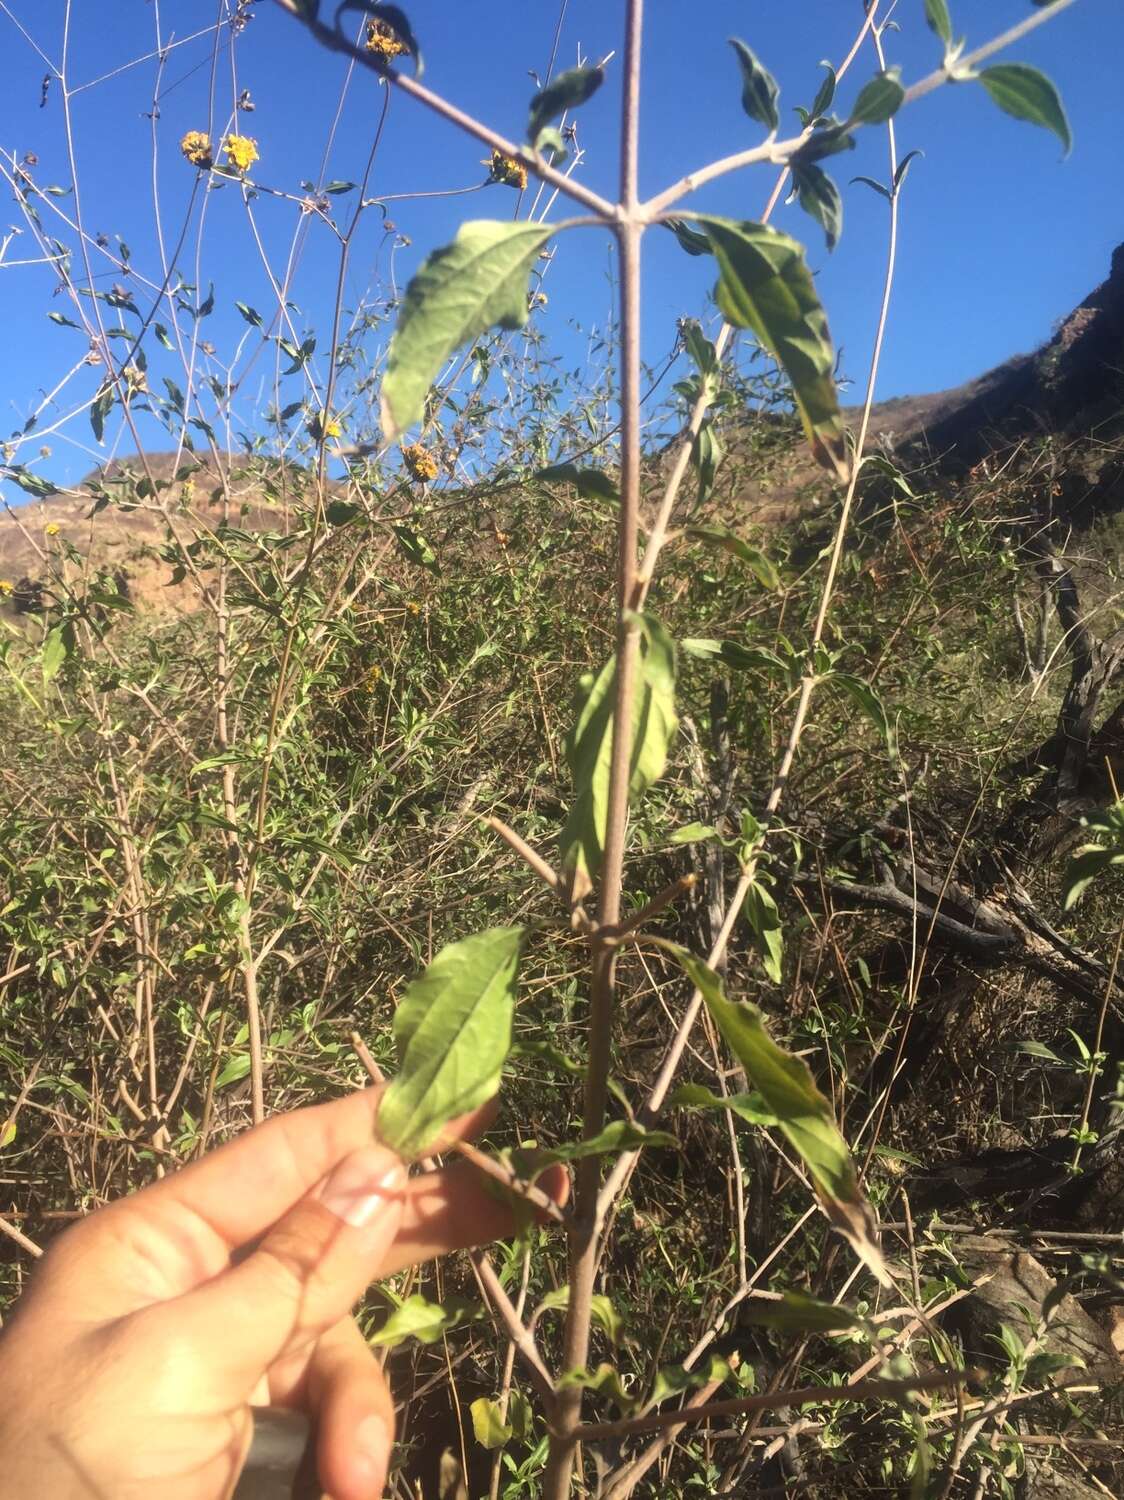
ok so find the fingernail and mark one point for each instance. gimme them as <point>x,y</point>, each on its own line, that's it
<point>361,1186</point>
<point>372,1448</point>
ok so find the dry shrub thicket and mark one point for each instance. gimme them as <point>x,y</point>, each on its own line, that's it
<point>269,686</point>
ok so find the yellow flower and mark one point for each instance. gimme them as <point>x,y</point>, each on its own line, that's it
<point>538,299</point>
<point>384,41</point>
<point>323,427</point>
<point>411,607</point>
<point>5,588</point>
<point>241,152</point>
<point>196,146</point>
<point>372,678</point>
<point>506,169</point>
<point>422,465</point>
<point>51,528</point>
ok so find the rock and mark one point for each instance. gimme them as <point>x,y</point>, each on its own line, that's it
<point>1015,1295</point>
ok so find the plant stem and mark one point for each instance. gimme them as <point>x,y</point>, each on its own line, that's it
<point>585,1231</point>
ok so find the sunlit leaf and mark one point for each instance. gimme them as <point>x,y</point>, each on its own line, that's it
<point>759,87</point>
<point>417,1318</point>
<point>590,743</point>
<point>803,1114</point>
<point>56,648</point>
<point>798,1313</point>
<point>453,1033</point>
<point>618,1135</point>
<point>1027,94</point>
<point>729,541</point>
<point>748,1107</point>
<point>488,1425</point>
<point>480,280</point>
<point>765,286</point>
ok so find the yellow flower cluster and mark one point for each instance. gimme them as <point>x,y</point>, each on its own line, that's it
<point>506,169</point>
<point>422,465</point>
<point>241,152</point>
<point>412,608</point>
<point>51,528</point>
<point>372,677</point>
<point>5,588</point>
<point>322,427</point>
<point>384,41</point>
<point>196,146</point>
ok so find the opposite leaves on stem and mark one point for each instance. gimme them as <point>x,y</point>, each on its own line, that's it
<point>589,748</point>
<point>804,1115</point>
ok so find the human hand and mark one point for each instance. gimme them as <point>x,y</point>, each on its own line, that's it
<point>131,1364</point>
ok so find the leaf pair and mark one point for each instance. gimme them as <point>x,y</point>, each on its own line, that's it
<point>589,747</point>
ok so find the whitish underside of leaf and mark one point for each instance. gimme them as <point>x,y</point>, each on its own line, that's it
<point>589,748</point>
<point>453,1033</point>
<point>463,289</point>
<point>803,1114</point>
<point>765,286</point>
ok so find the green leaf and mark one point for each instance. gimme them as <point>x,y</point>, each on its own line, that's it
<point>453,1032</point>
<point>488,1424</point>
<point>691,240</point>
<point>250,314</point>
<point>565,92</point>
<point>1027,94</point>
<point>693,833</point>
<point>867,700</point>
<point>618,1135</point>
<point>819,197</point>
<point>590,483</point>
<point>761,913</point>
<point>481,279</point>
<point>605,1380</point>
<point>62,320</point>
<point>671,1380</point>
<point>759,87</point>
<point>765,286</point>
<point>32,484</point>
<point>796,1312</point>
<point>590,744</point>
<point>425,1321</point>
<point>603,1312</point>
<point>748,1107</point>
<point>162,335</point>
<point>879,100</point>
<point>416,548</point>
<point>937,15</point>
<point>100,408</point>
<point>872,182</point>
<point>335,188</point>
<point>340,512</point>
<point>805,1117</point>
<point>826,94</point>
<point>1083,868</point>
<point>56,648</point>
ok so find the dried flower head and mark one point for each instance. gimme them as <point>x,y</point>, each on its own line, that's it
<point>422,465</point>
<point>136,381</point>
<point>507,170</point>
<point>51,528</point>
<point>241,152</point>
<point>384,41</point>
<point>196,146</point>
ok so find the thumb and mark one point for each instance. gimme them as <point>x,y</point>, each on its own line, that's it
<point>304,1275</point>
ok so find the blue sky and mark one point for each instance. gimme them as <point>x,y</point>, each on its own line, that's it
<point>1000,237</point>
